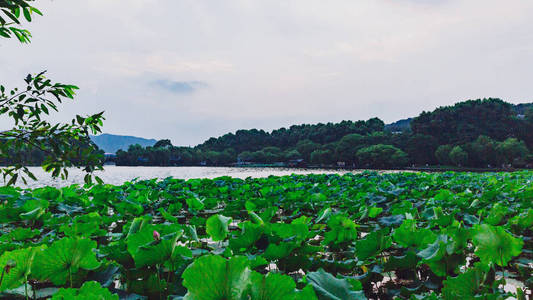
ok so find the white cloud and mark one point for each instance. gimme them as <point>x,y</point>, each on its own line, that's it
<point>271,63</point>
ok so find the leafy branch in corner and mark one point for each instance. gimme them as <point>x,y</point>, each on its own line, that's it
<point>63,145</point>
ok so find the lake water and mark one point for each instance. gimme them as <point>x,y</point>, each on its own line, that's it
<point>118,175</point>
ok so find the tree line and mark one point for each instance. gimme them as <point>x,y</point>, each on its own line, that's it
<point>475,133</point>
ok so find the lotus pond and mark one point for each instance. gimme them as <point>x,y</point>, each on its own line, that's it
<point>352,236</point>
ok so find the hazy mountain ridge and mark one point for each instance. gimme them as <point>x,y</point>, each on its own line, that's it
<point>111,143</point>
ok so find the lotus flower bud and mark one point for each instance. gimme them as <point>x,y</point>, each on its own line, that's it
<point>157,236</point>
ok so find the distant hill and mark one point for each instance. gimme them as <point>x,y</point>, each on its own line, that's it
<point>403,125</point>
<point>111,143</point>
<point>522,108</point>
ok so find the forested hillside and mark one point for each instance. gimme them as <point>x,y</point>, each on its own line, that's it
<point>475,133</point>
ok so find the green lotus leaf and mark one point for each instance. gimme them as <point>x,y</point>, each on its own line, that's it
<point>88,291</point>
<point>465,285</point>
<point>84,226</point>
<point>327,287</point>
<point>250,233</point>
<point>279,251</point>
<point>20,263</point>
<point>404,262</point>
<point>495,245</point>
<point>213,277</point>
<point>20,234</point>
<point>496,214</point>
<point>342,230</point>
<point>373,244</point>
<point>307,293</point>
<point>374,212</point>
<point>436,250</point>
<point>145,235</point>
<point>297,230</point>
<point>408,235</point>
<point>194,203</point>
<point>64,259</point>
<point>159,252</point>
<point>273,286</point>
<point>217,227</point>
<point>524,220</point>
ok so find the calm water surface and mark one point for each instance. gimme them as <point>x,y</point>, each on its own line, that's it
<point>118,175</point>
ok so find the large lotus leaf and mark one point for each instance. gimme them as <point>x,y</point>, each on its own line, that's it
<point>307,293</point>
<point>160,251</point>
<point>84,226</point>
<point>297,230</point>
<point>458,239</point>
<point>404,262</point>
<point>496,214</point>
<point>89,290</point>
<point>327,287</point>
<point>273,286</point>
<point>64,259</point>
<point>19,262</point>
<point>249,235</point>
<point>523,220</point>
<point>194,203</point>
<point>213,277</point>
<point>447,265</point>
<point>20,234</point>
<point>145,235</point>
<point>464,286</point>
<point>217,227</point>
<point>441,218</point>
<point>495,245</point>
<point>275,251</point>
<point>342,230</point>
<point>436,250</point>
<point>436,256</point>
<point>373,244</point>
<point>407,235</point>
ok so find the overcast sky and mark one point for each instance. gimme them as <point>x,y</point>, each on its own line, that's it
<point>191,69</point>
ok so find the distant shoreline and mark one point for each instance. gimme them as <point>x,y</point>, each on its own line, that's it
<point>411,169</point>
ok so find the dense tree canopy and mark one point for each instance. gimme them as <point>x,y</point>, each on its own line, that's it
<point>467,120</point>
<point>476,133</point>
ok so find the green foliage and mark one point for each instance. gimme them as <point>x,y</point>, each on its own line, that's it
<point>467,285</point>
<point>443,154</point>
<point>482,133</point>
<point>11,18</point>
<point>273,286</point>
<point>89,290</point>
<point>66,260</point>
<point>342,230</point>
<point>19,263</point>
<point>327,287</point>
<point>494,245</point>
<point>382,156</point>
<point>217,227</point>
<point>458,156</point>
<point>227,279</point>
<point>373,244</point>
<point>424,230</point>
<point>32,139</point>
<point>62,145</point>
